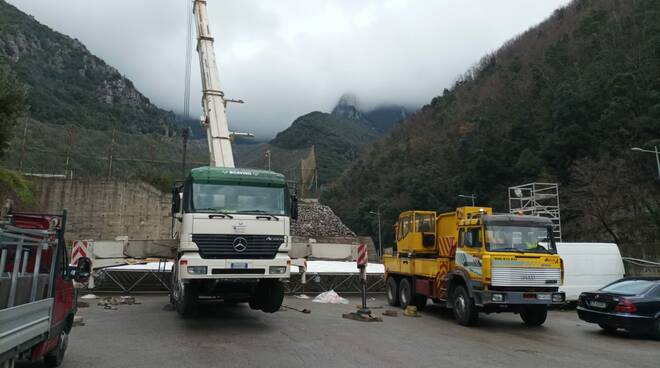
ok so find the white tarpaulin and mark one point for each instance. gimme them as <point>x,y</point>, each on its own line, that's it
<point>330,297</point>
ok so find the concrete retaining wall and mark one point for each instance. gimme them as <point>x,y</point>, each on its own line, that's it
<point>104,210</point>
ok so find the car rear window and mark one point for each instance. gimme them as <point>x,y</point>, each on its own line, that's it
<point>629,287</point>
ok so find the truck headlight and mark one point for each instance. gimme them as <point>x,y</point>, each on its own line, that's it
<point>277,270</point>
<point>497,297</point>
<point>197,270</point>
<point>557,298</point>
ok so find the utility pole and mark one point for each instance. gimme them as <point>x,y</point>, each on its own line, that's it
<point>267,154</point>
<point>469,196</point>
<point>25,131</point>
<point>69,144</point>
<point>657,156</point>
<point>380,236</point>
<point>110,152</point>
<point>184,134</point>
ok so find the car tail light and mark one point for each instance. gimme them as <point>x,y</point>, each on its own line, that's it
<point>580,301</point>
<point>625,306</point>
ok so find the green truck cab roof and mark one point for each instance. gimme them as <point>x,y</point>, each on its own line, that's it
<point>236,176</point>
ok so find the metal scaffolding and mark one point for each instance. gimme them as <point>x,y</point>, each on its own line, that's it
<point>537,199</point>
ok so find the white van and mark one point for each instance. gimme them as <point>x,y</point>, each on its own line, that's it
<point>589,266</point>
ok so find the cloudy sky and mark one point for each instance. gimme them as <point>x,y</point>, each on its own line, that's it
<point>286,58</point>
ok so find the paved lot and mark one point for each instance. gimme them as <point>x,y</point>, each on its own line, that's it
<point>225,335</point>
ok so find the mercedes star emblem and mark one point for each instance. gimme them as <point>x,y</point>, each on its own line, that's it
<point>240,244</point>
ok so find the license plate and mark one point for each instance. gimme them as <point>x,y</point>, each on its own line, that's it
<point>239,265</point>
<point>598,304</point>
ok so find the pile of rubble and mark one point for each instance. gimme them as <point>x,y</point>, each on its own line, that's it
<point>111,302</point>
<point>316,220</point>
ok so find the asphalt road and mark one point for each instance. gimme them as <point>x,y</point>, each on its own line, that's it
<point>226,335</point>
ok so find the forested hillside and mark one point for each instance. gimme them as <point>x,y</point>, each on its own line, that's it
<point>69,85</point>
<point>563,102</point>
<point>341,136</point>
<point>337,141</point>
<point>78,111</point>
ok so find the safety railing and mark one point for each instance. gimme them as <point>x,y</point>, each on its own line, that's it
<point>21,248</point>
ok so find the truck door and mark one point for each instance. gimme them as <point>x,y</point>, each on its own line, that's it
<point>469,252</point>
<point>64,292</point>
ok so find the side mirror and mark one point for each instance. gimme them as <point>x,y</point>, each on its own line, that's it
<point>81,271</point>
<point>294,207</point>
<point>176,200</point>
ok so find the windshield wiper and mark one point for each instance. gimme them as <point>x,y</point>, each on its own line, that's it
<point>511,249</point>
<point>216,213</point>
<point>265,214</point>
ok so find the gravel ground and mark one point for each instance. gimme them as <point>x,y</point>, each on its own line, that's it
<point>225,335</point>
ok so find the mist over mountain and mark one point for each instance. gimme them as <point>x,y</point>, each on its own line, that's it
<point>563,102</point>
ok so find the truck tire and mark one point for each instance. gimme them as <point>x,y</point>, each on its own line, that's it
<point>656,330</point>
<point>55,357</point>
<point>465,312</point>
<point>270,294</point>
<point>186,303</point>
<point>392,291</point>
<point>534,315</point>
<point>405,293</point>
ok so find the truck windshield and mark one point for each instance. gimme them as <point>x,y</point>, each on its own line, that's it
<point>238,199</point>
<point>501,238</point>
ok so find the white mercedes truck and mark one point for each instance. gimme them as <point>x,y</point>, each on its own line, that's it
<point>233,230</point>
<point>231,224</point>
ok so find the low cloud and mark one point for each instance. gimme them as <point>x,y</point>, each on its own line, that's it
<point>287,58</point>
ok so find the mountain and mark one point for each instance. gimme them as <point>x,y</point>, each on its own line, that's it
<point>337,141</point>
<point>381,118</point>
<point>563,102</point>
<point>338,137</point>
<point>82,111</point>
<point>69,85</point>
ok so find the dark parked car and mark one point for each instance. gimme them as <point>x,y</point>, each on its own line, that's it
<point>632,303</point>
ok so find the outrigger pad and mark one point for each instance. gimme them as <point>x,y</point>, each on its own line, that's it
<point>362,317</point>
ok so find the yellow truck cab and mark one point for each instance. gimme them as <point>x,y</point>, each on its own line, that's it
<point>472,261</point>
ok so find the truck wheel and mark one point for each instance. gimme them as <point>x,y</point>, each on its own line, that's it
<point>392,292</point>
<point>656,330</point>
<point>271,295</point>
<point>465,312</point>
<point>186,300</point>
<point>534,315</point>
<point>405,296</point>
<point>55,357</point>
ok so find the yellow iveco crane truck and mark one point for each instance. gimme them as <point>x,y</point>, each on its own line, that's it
<point>472,261</point>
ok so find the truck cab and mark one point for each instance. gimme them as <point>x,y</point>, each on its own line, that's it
<point>37,297</point>
<point>508,262</point>
<point>233,230</point>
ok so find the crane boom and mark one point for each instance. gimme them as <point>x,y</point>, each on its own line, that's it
<point>213,102</point>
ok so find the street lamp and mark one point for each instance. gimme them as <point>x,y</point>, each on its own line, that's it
<point>470,196</point>
<point>657,156</point>
<point>380,237</point>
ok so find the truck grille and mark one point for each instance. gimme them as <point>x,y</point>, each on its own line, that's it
<point>215,246</point>
<point>548,277</point>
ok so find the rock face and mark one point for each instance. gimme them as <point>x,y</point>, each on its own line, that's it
<point>316,220</point>
<point>348,108</point>
<point>67,84</point>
